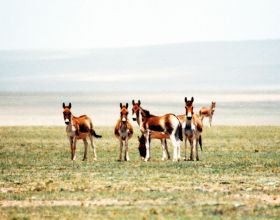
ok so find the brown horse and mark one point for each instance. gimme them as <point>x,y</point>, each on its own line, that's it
<point>192,129</point>
<point>78,128</point>
<point>167,124</point>
<point>208,112</point>
<point>153,135</point>
<point>123,131</point>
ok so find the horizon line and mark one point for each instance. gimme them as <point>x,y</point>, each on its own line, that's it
<point>141,46</point>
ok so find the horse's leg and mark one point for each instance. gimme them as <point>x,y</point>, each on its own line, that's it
<point>93,147</point>
<point>86,147</point>
<point>166,148</point>
<point>186,139</point>
<point>126,157</point>
<point>71,146</point>
<point>191,146</point>
<point>121,147</point>
<point>196,147</point>
<point>210,120</point>
<point>178,149</point>
<point>174,143</point>
<point>201,118</point>
<point>147,143</point>
<point>163,149</point>
<point>74,148</point>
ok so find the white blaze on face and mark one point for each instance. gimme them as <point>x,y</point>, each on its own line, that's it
<point>67,120</point>
<point>189,115</point>
<point>123,119</point>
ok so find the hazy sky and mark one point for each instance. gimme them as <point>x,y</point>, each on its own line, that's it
<point>67,24</point>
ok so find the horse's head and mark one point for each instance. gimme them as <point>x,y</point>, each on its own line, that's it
<point>142,146</point>
<point>213,106</point>
<point>135,109</point>
<point>189,108</point>
<point>67,115</point>
<point>123,112</point>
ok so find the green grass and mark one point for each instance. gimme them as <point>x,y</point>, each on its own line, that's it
<point>238,177</point>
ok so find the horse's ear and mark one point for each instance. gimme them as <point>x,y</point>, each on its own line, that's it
<point>139,103</point>
<point>192,99</point>
<point>133,102</point>
<point>126,105</point>
<point>121,105</point>
<point>70,105</point>
<point>63,105</point>
<point>186,99</point>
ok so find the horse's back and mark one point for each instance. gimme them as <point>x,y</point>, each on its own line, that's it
<point>84,122</point>
<point>204,111</point>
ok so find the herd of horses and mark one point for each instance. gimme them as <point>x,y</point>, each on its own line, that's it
<point>187,127</point>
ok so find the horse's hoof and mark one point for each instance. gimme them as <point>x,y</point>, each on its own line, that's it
<point>119,160</point>
<point>84,159</point>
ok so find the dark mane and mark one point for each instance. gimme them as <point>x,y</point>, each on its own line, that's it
<point>147,113</point>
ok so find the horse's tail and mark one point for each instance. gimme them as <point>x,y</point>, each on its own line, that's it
<point>93,133</point>
<point>200,142</point>
<point>179,131</point>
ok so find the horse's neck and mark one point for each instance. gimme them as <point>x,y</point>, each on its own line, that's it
<point>123,128</point>
<point>189,122</point>
<point>139,119</point>
<point>71,126</point>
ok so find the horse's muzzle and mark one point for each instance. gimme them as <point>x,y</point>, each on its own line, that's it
<point>189,118</point>
<point>67,122</point>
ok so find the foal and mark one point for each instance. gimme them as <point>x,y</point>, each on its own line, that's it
<point>123,131</point>
<point>167,124</point>
<point>192,129</point>
<point>154,135</point>
<point>79,128</point>
<point>208,112</point>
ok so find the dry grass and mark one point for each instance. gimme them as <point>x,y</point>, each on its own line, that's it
<point>238,177</point>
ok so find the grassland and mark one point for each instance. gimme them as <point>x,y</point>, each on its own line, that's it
<point>238,177</point>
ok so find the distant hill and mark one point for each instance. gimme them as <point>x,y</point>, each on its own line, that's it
<point>174,67</point>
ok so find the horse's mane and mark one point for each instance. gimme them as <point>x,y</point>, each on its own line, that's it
<point>147,113</point>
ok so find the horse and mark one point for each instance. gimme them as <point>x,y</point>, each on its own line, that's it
<point>192,129</point>
<point>167,124</point>
<point>208,112</point>
<point>79,128</point>
<point>123,131</point>
<point>153,135</point>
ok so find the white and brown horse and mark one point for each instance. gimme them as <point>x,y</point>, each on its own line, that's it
<point>79,128</point>
<point>167,124</point>
<point>123,131</point>
<point>153,134</point>
<point>192,129</point>
<point>208,112</point>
